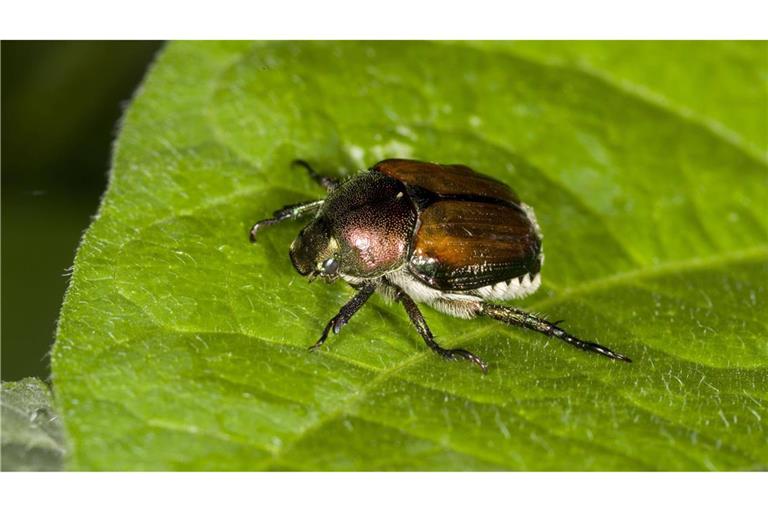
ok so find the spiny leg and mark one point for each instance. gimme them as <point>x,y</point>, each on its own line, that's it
<point>417,319</point>
<point>324,181</point>
<point>293,211</point>
<point>346,312</point>
<point>517,317</point>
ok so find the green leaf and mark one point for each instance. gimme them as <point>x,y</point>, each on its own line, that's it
<point>32,435</point>
<point>183,346</point>
<point>722,85</point>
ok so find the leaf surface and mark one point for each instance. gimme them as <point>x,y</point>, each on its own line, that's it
<point>32,434</point>
<point>183,346</point>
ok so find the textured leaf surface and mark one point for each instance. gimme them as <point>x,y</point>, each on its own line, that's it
<point>182,346</point>
<point>32,434</point>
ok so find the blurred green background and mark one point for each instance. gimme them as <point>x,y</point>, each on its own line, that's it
<point>61,103</point>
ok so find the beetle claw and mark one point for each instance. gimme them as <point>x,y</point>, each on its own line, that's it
<point>262,223</point>
<point>338,323</point>
<point>460,353</point>
<point>252,233</point>
<point>323,337</point>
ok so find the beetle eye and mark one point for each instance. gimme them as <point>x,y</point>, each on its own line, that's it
<point>330,266</point>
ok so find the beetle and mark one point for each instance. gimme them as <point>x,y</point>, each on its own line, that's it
<point>421,232</point>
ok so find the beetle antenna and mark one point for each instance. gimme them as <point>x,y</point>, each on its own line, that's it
<point>520,318</point>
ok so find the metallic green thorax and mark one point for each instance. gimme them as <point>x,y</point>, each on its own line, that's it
<point>365,224</point>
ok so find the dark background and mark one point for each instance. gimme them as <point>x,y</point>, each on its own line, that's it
<point>61,102</point>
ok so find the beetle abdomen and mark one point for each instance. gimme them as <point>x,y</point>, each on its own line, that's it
<point>458,303</point>
<point>469,245</point>
<point>515,288</point>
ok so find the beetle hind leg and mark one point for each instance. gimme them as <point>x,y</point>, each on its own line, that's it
<point>518,317</point>
<point>417,319</point>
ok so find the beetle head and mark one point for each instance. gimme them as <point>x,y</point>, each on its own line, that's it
<point>315,252</point>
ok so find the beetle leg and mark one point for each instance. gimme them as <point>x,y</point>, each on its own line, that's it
<point>290,212</point>
<point>417,319</point>
<point>324,181</point>
<point>513,316</point>
<point>346,312</point>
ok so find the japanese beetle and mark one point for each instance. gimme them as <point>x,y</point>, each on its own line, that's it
<point>443,235</point>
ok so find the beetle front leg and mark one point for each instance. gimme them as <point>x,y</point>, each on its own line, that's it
<point>293,211</point>
<point>518,317</point>
<point>346,312</point>
<point>324,181</point>
<point>417,319</point>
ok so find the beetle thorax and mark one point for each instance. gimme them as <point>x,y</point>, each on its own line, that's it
<point>371,220</point>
